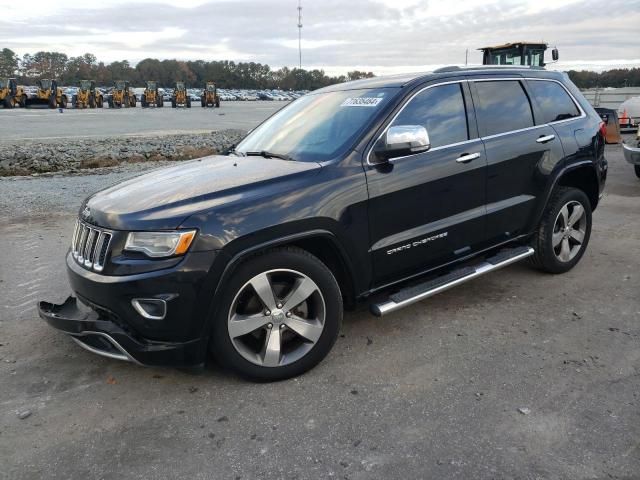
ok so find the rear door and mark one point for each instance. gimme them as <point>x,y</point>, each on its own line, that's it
<point>428,208</point>
<point>520,155</point>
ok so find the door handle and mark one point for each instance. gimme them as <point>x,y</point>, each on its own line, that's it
<point>467,157</point>
<point>545,138</point>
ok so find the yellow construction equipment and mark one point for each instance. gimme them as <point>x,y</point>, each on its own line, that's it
<point>517,53</point>
<point>122,95</point>
<point>49,94</point>
<point>180,97</point>
<point>210,96</point>
<point>87,96</point>
<point>151,97</point>
<point>11,95</point>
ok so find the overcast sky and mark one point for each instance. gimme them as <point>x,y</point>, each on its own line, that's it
<point>385,36</point>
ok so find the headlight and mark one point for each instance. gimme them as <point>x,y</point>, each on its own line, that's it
<point>160,244</point>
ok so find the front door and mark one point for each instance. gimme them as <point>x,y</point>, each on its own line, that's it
<point>428,209</point>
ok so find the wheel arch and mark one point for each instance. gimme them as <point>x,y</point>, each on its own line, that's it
<point>583,177</point>
<point>321,243</point>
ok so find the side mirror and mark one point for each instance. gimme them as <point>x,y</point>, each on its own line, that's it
<point>555,55</point>
<point>402,140</point>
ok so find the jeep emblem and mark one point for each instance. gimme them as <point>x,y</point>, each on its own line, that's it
<point>86,212</point>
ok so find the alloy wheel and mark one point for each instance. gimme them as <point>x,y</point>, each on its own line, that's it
<point>569,231</point>
<point>276,318</point>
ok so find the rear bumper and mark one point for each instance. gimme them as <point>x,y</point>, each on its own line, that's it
<point>95,332</point>
<point>631,154</point>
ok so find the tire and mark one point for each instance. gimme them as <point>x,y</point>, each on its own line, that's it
<point>7,103</point>
<point>173,103</point>
<point>92,101</point>
<point>217,103</point>
<point>133,101</point>
<point>549,258</point>
<point>188,102</point>
<point>23,101</point>
<point>637,170</point>
<point>203,102</point>
<point>159,102</point>
<point>143,101</point>
<point>52,102</point>
<point>74,101</point>
<point>100,102</point>
<point>245,353</point>
<point>63,102</point>
<point>110,102</point>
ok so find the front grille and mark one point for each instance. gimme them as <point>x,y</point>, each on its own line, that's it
<point>90,245</point>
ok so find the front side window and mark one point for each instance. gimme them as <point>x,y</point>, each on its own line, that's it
<point>441,111</point>
<point>503,106</point>
<point>553,100</point>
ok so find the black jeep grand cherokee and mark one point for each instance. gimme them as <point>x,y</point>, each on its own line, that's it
<point>407,184</point>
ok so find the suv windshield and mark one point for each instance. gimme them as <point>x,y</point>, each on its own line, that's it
<point>317,127</point>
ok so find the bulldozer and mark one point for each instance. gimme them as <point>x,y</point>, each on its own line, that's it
<point>517,53</point>
<point>49,94</point>
<point>87,96</point>
<point>210,96</point>
<point>11,95</point>
<point>122,95</point>
<point>151,97</point>
<point>180,97</point>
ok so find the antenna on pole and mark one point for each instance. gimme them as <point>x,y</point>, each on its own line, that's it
<point>300,33</point>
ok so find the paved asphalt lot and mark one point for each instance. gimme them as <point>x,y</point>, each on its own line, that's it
<point>42,124</point>
<point>432,391</point>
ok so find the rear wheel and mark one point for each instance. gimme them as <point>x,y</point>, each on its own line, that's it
<point>188,102</point>
<point>143,101</point>
<point>279,316</point>
<point>63,102</point>
<point>173,103</point>
<point>564,232</point>
<point>637,169</point>
<point>92,101</point>
<point>203,102</point>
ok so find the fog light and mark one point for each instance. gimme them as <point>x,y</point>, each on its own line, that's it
<point>151,308</point>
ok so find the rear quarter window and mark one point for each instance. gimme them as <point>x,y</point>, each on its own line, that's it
<point>502,106</point>
<point>554,101</point>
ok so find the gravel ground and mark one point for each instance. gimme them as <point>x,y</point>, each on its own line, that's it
<point>23,158</point>
<point>518,375</point>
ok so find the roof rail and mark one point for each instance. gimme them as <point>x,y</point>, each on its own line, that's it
<point>455,68</point>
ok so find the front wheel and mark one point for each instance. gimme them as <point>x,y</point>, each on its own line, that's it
<point>564,231</point>
<point>637,169</point>
<point>279,315</point>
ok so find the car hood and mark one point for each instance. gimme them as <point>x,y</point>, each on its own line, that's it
<point>164,198</point>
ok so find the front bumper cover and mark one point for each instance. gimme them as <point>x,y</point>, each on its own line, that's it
<point>95,332</point>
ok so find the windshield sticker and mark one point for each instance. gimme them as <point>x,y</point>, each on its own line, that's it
<point>361,102</point>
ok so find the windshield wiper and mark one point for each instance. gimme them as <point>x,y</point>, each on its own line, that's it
<point>265,154</point>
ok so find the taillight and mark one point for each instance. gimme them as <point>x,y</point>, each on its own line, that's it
<point>603,129</point>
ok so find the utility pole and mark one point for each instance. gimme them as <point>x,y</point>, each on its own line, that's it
<point>466,57</point>
<point>300,33</point>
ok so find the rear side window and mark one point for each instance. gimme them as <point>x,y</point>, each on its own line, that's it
<point>553,100</point>
<point>441,111</point>
<point>503,106</point>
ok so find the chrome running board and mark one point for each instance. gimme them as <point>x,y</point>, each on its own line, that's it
<point>427,289</point>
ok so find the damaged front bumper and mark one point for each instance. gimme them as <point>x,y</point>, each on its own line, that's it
<point>94,331</point>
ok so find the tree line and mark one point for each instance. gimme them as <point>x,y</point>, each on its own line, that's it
<point>227,74</point>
